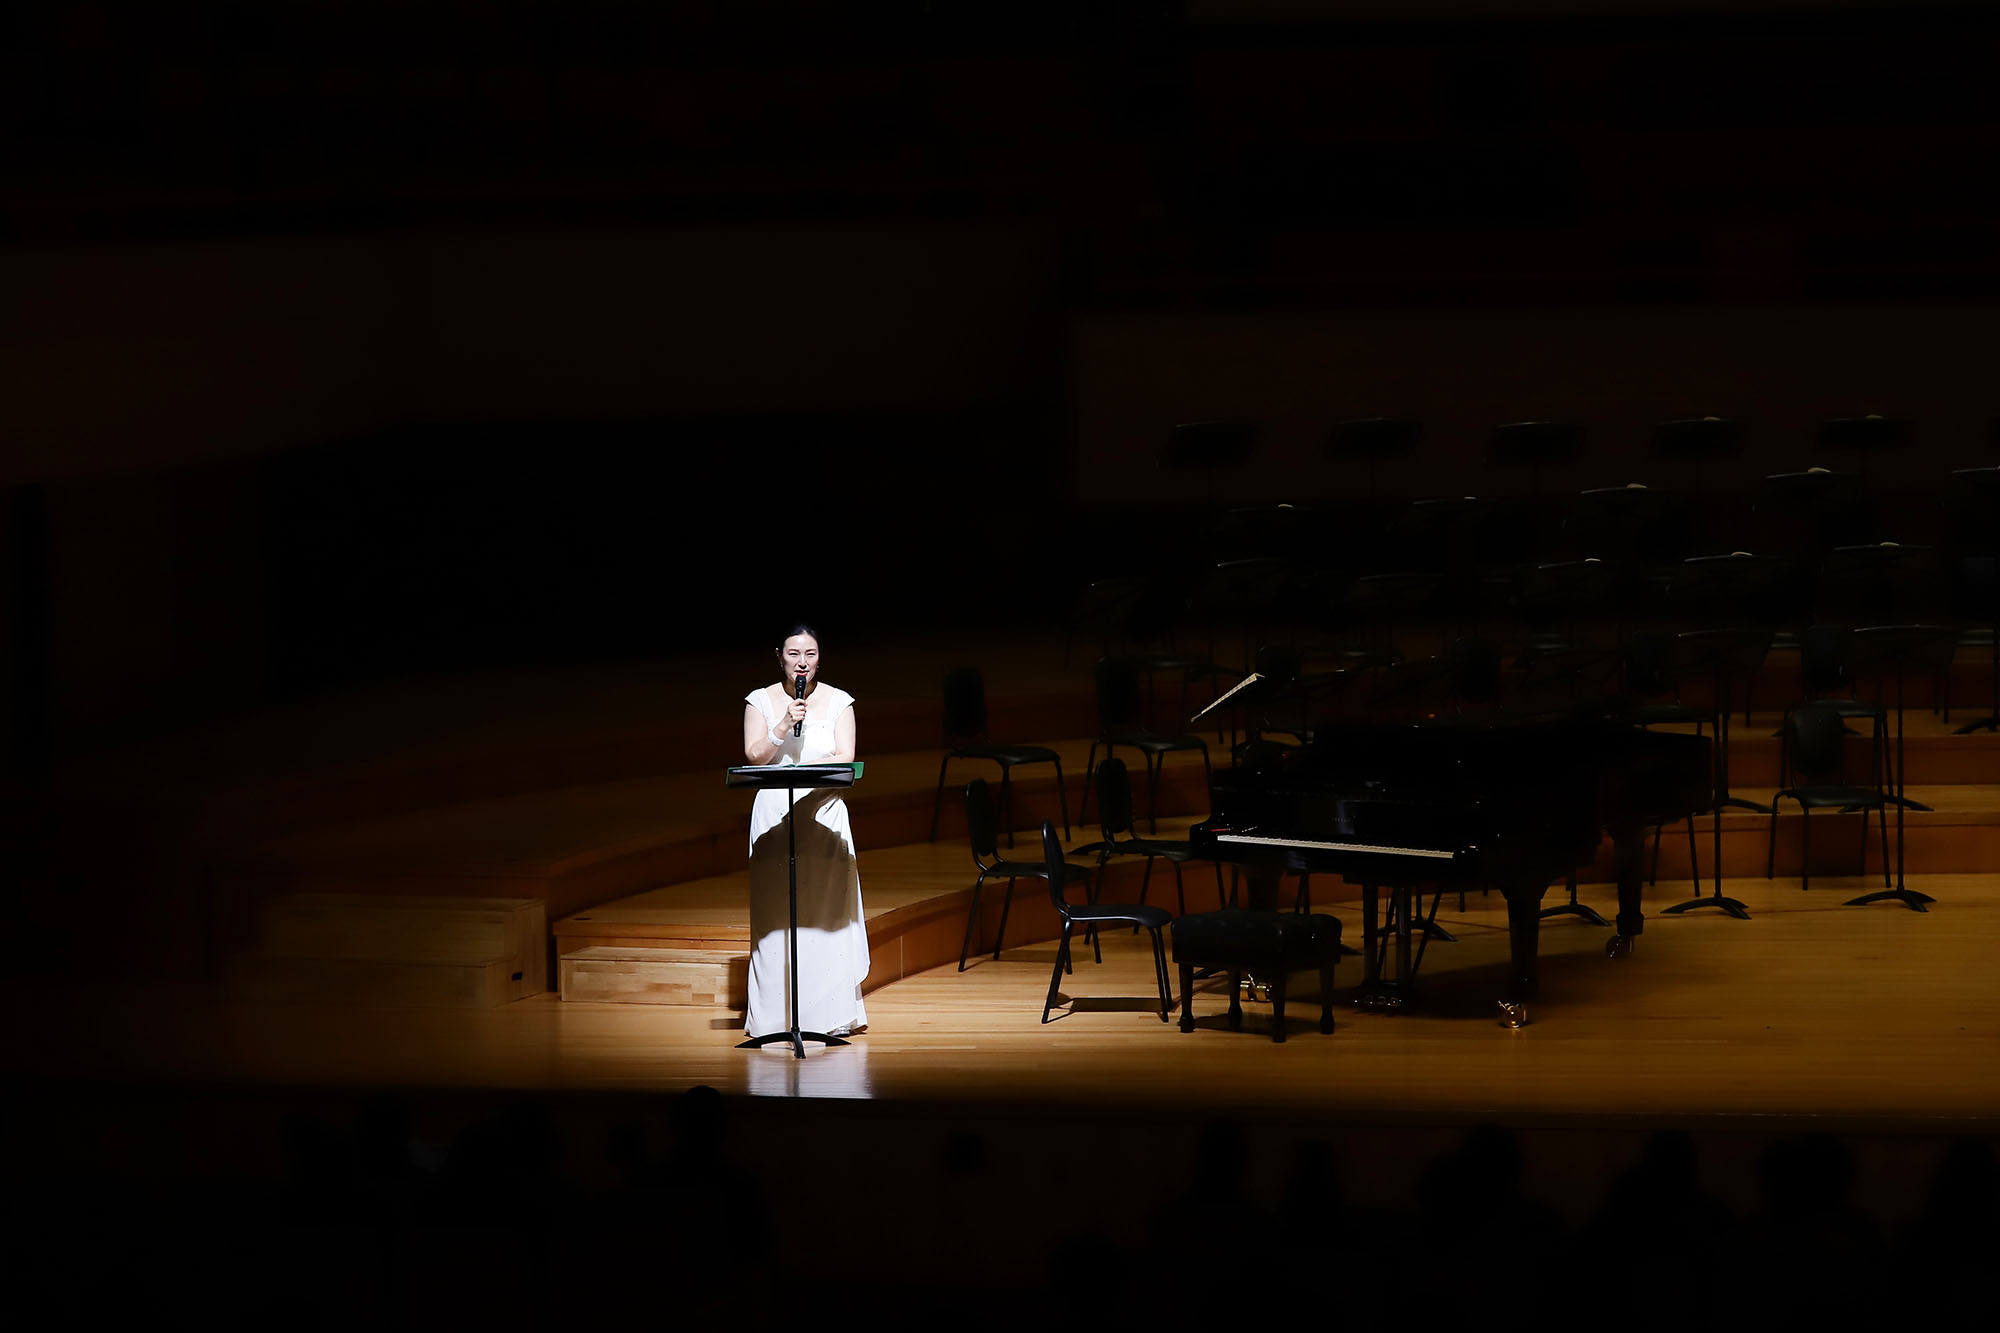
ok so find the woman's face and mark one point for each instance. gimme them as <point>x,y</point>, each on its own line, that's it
<point>800,657</point>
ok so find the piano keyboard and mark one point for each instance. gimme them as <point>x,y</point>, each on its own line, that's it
<point>1307,844</point>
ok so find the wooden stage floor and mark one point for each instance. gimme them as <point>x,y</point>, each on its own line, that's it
<point>946,1130</point>
<point>1877,1023</point>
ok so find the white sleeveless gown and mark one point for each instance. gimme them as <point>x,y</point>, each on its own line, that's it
<point>833,938</point>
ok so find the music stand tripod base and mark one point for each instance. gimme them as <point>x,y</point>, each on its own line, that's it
<point>792,778</point>
<point>1908,897</point>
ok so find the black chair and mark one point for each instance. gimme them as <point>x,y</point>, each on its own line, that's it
<point>1816,773</point>
<point>1114,813</point>
<point>965,738</point>
<point>1091,916</point>
<point>982,831</point>
<point>1122,720</point>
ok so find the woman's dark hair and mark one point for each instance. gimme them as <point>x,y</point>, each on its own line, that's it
<point>795,631</point>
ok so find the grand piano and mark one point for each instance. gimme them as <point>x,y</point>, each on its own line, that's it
<point>1512,802</point>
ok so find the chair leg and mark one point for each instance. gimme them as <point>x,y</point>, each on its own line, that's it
<point>1062,800</point>
<point>1187,997</point>
<point>971,915</point>
<point>1694,857</point>
<point>1006,904</point>
<point>937,801</point>
<point>1805,848</point>
<point>1055,977</point>
<point>1771,852</point>
<point>1153,768</point>
<point>1007,801</point>
<point>1089,769</point>
<point>1278,1005</point>
<point>1160,973</point>
<point>1180,888</point>
<point>1882,825</point>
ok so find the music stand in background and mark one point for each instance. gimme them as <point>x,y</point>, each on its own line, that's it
<point>1882,650</point>
<point>1204,446</point>
<point>1696,440</point>
<point>1864,437</point>
<point>791,779</point>
<point>1728,591</point>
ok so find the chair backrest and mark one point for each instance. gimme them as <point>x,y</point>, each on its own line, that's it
<point>1650,660</point>
<point>1120,700</point>
<point>1114,798</point>
<point>1823,659</point>
<point>1054,867</point>
<point>981,825</point>
<point>964,705</point>
<point>1816,743</point>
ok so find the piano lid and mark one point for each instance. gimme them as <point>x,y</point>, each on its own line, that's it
<point>1258,691</point>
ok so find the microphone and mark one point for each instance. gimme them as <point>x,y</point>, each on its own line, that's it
<point>799,692</point>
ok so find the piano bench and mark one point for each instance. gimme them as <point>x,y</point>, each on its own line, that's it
<point>1267,944</point>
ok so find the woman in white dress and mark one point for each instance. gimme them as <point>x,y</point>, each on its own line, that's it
<point>833,939</point>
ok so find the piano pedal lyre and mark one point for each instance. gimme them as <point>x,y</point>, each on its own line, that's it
<point>1251,988</point>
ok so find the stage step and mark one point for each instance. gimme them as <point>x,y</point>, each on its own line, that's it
<point>634,974</point>
<point>328,948</point>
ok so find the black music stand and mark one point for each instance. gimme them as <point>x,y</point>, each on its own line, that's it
<point>791,778</point>
<point>1727,654</point>
<point>1895,650</point>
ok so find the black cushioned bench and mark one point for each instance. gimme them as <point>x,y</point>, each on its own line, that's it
<point>1268,944</point>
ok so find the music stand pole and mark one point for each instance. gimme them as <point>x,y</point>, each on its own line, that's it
<point>793,1035</point>
<point>1899,655</point>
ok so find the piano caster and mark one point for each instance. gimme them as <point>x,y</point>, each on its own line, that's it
<point>1379,1002</point>
<point>1618,946</point>
<point>1513,1014</point>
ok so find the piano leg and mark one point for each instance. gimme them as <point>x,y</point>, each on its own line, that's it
<point>1524,926</point>
<point>1377,991</point>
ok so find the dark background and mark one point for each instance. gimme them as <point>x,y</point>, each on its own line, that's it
<point>349,341</point>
